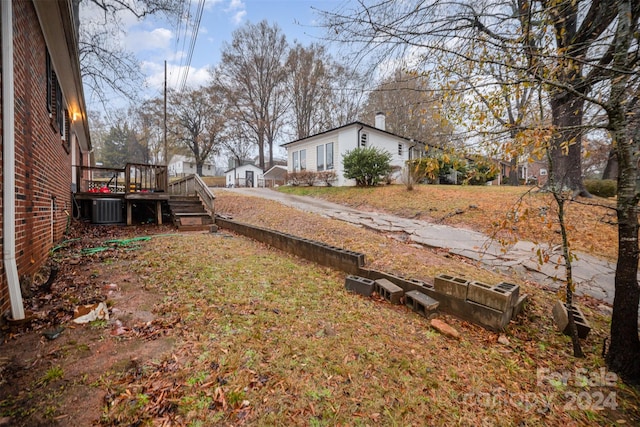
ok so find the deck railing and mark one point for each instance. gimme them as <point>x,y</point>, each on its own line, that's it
<point>133,178</point>
<point>193,185</point>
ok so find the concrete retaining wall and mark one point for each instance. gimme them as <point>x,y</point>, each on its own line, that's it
<point>329,256</point>
<point>450,296</point>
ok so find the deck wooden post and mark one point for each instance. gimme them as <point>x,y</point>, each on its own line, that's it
<point>159,211</point>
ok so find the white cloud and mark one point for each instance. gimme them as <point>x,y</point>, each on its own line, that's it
<point>238,10</point>
<point>238,16</point>
<point>159,38</point>
<point>236,4</point>
<point>175,74</point>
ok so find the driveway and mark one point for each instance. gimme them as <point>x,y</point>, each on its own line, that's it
<point>593,276</point>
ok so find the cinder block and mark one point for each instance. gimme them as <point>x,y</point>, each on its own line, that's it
<point>451,286</point>
<point>500,297</point>
<point>519,305</point>
<point>359,285</point>
<point>561,318</point>
<point>389,291</point>
<point>421,303</point>
<point>486,316</point>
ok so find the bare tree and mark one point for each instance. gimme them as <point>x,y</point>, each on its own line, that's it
<point>308,74</point>
<point>197,122</point>
<point>252,73</point>
<point>105,65</point>
<point>412,108</point>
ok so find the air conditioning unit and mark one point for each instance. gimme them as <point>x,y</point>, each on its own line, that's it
<point>106,211</point>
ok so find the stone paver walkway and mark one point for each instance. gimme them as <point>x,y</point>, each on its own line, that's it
<point>593,276</point>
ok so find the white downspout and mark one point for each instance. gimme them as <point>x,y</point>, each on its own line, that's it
<point>8,164</point>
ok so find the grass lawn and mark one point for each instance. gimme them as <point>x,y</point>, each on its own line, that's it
<point>243,334</point>
<point>268,339</point>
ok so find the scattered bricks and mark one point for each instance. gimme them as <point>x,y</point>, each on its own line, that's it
<point>421,303</point>
<point>499,297</point>
<point>452,286</point>
<point>359,285</point>
<point>389,291</point>
<point>561,318</point>
<point>445,329</point>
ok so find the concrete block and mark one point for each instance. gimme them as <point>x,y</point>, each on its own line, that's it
<point>487,316</point>
<point>359,285</point>
<point>510,290</point>
<point>421,303</point>
<point>389,291</point>
<point>561,318</point>
<point>500,297</point>
<point>519,305</point>
<point>451,286</point>
<point>213,228</point>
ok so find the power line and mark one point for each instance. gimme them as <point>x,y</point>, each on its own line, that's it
<point>194,36</point>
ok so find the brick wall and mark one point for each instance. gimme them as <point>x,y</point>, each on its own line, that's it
<point>43,166</point>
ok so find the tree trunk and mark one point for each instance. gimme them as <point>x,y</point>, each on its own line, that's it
<point>623,356</point>
<point>623,112</point>
<point>513,172</point>
<point>611,169</point>
<point>261,151</point>
<point>566,143</point>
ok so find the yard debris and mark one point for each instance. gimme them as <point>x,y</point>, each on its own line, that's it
<point>54,333</point>
<point>444,328</point>
<point>502,339</point>
<point>91,312</point>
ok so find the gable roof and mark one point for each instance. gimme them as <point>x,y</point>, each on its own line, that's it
<point>364,125</point>
<point>244,166</point>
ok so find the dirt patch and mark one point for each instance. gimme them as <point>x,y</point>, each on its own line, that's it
<point>53,371</point>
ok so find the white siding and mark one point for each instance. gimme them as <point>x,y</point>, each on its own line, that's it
<point>346,139</point>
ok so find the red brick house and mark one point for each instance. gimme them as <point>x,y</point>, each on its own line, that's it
<point>45,136</point>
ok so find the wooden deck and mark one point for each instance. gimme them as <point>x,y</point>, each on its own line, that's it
<point>134,183</point>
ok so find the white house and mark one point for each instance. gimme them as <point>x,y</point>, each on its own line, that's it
<point>247,175</point>
<point>324,151</point>
<point>180,165</point>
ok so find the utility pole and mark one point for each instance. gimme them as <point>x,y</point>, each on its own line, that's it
<point>166,151</point>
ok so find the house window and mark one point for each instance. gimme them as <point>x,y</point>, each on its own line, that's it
<point>303,160</point>
<point>329,152</point>
<point>363,139</point>
<point>399,149</point>
<point>296,164</point>
<point>320,158</point>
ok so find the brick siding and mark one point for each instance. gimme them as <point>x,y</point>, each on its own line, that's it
<point>43,166</point>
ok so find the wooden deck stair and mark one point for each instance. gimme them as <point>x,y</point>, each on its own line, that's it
<point>188,213</point>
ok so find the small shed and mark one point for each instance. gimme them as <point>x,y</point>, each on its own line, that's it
<point>244,176</point>
<point>275,176</point>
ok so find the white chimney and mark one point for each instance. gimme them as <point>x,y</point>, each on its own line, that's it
<point>380,120</point>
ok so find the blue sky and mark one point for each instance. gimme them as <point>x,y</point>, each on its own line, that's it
<point>154,41</point>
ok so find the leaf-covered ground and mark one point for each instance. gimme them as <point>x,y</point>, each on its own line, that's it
<point>505,212</point>
<point>232,332</point>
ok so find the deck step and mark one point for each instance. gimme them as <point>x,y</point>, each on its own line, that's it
<point>189,214</point>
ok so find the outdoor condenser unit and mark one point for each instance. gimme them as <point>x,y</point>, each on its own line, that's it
<point>106,211</point>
